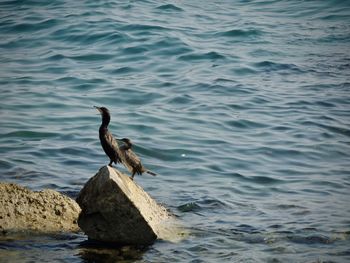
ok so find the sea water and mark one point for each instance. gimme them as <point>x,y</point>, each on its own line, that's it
<point>241,107</point>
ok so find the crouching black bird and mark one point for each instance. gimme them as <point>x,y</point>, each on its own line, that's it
<point>130,160</point>
<point>109,144</point>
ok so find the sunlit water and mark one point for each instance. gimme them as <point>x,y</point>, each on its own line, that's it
<point>241,107</point>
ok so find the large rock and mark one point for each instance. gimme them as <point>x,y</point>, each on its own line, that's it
<point>115,209</point>
<point>46,211</point>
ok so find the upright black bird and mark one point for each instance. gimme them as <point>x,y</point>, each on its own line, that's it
<point>109,144</point>
<point>130,160</point>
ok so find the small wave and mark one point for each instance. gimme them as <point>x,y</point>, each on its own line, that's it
<point>244,71</point>
<point>122,70</point>
<point>116,38</point>
<point>265,180</point>
<point>189,207</point>
<point>206,56</point>
<point>289,206</point>
<point>245,124</point>
<point>86,38</point>
<point>173,51</point>
<point>169,46</point>
<point>134,50</point>
<point>331,128</point>
<point>241,33</point>
<point>181,99</point>
<point>212,204</point>
<point>92,57</point>
<point>56,57</point>
<point>84,86</point>
<point>29,135</point>
<point>310,239</point>
<point>26,175</point>
<point>340,130</point>
<point>5,164</point>
<point>244,228</point>
<point>205,204</point>
<point>68,79</point>
<point>170,7</point>
<point>34,27</point>
<point>334,38</point>
<point>74,151</point>
<point>335,17</point>
<point>140,27</point>
<point>273,66</point>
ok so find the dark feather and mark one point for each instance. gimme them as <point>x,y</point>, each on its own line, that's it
<point>130,160</point>
<point>108,142</point>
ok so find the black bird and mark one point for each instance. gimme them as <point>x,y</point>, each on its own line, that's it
<point>109,144</point>
<point>130,160</point>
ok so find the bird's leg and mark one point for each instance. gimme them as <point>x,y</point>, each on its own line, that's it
<point>110,163</point>
<point>132,176</point>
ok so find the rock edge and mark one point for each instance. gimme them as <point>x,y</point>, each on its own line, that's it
<point>46,211</point>
<point>115,209</point>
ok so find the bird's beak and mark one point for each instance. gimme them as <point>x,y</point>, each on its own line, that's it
<point>98,108</point>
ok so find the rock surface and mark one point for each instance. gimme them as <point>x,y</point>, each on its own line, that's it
<point>115,209</point>
<point>46,211</point>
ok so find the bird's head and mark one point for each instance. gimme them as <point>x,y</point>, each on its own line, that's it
<point>102,110</point>
<point>105,115</point>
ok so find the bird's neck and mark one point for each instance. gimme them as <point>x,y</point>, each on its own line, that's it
<point>103,130</point>
<point>105,121</point>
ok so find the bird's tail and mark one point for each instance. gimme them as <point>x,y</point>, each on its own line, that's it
<point>151,173</point>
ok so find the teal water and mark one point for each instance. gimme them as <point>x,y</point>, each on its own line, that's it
<point>242,107</point>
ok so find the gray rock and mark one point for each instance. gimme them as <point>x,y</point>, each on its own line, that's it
<point>116,209</point>
<point>47,211</point>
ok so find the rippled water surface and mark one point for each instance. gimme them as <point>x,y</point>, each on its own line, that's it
<point>242,107</point>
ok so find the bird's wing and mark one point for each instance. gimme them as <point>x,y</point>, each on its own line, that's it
<point>114,144</point>
<point>134,161</point>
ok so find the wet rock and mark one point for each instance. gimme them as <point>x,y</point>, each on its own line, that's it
<point>115,209</point>
<point>24,210</point>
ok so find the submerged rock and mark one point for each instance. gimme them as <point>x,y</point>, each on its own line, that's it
<point>115,209</point>
<point>46,211</point>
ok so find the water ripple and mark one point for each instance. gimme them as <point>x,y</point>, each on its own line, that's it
<point>170,7</point>
<point>241,33</point>
<point>242,110</point>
